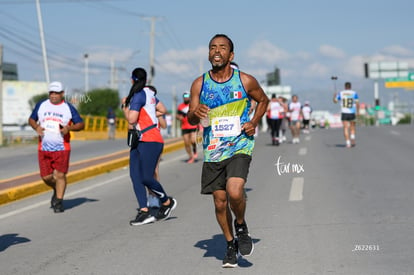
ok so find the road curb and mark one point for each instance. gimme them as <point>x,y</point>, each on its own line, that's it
<point>37,187</point>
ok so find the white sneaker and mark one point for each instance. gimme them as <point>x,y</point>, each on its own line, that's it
<point>353,140</point>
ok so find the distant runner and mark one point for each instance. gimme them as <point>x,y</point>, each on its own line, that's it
<point>295,110</point>
<point>349,111</point>
<point>306,111</point>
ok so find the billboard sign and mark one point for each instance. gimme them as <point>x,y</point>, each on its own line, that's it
<point>381,70</point>
<point>16,96</point>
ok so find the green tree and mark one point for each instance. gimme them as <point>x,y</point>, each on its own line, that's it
<point>405,120</point>
<point>37,98</point>
<point>97,102</point>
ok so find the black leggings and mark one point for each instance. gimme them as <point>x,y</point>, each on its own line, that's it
<point>275,126</point>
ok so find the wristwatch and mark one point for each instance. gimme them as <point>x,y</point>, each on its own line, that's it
<point>123,105</point>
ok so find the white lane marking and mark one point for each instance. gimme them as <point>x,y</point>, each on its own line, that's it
<point>296,190</point>
<point>395,133</point>
<point>303,151</point>
<point>307,138</point>
<point>73,193</point>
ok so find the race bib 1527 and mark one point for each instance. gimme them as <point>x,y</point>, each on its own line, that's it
<point>228,126</point>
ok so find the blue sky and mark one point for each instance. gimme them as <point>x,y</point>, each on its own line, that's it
<point>309,41</point>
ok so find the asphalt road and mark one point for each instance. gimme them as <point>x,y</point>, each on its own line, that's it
<point>22,159</point>
<point>313,208</point>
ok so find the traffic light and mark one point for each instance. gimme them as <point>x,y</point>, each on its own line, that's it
<point>377,104</point>
<point>366,70</point>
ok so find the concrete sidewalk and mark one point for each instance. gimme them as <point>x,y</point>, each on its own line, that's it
<point>19,187</point>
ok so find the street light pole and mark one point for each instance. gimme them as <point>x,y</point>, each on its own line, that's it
<point>151,49</point>
<point>174,113</point>
<point>42,41</point>
<point>334,79</point>
<point>85,56</point>
<point>1,95</point>
<point>151,55</point>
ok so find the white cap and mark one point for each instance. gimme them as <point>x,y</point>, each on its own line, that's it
<point>55,86</point>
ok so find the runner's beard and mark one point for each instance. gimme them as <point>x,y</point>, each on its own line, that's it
<point>218,66</point>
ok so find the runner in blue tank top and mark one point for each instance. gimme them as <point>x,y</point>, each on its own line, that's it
<point>220,101</point>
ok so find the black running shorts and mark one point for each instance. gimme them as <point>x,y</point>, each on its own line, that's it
<point>188,131</point>
<point>347,117</point>
<point>215,174</point>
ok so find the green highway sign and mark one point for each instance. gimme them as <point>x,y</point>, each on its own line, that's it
<point>409,77</point>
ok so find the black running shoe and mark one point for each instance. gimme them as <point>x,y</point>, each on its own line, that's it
<point>165,210</point>
<point>143,217</point>
<point>58,206</point>
<point>53,200</point>
<point>245,243</point>
<point>230,258</point>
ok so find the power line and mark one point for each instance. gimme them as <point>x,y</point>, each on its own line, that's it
<point>18,2</point>
<point>174,38</point>
<point>31,51</point>
<point>19,40</point>
<point>115,9</point>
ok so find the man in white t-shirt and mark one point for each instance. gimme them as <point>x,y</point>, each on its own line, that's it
<point>53,119</point>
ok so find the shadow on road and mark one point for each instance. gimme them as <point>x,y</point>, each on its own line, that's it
<point>216,247</point>
<point>71,203</point>
<point>8,240</point>
<point>336,145</point>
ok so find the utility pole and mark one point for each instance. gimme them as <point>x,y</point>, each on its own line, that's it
<point>85,57</point>
<point>42,40</point>
<point>151,50</point>
<point>113,74</point>
<point>174,114</point>
<point>1,95</point>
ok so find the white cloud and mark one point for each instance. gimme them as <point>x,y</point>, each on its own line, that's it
<point>106,54</point>
<point>331,51</point>
<point>354,66</point>
<point>410,62</point>
<point>266,53</point>
<point>397,50</point>
<point>185,61</point>
<point>172,67</point>
<point>317,69</point>
<point>304,56</point>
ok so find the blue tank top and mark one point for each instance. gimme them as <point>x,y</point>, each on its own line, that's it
<point>229,105</point>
